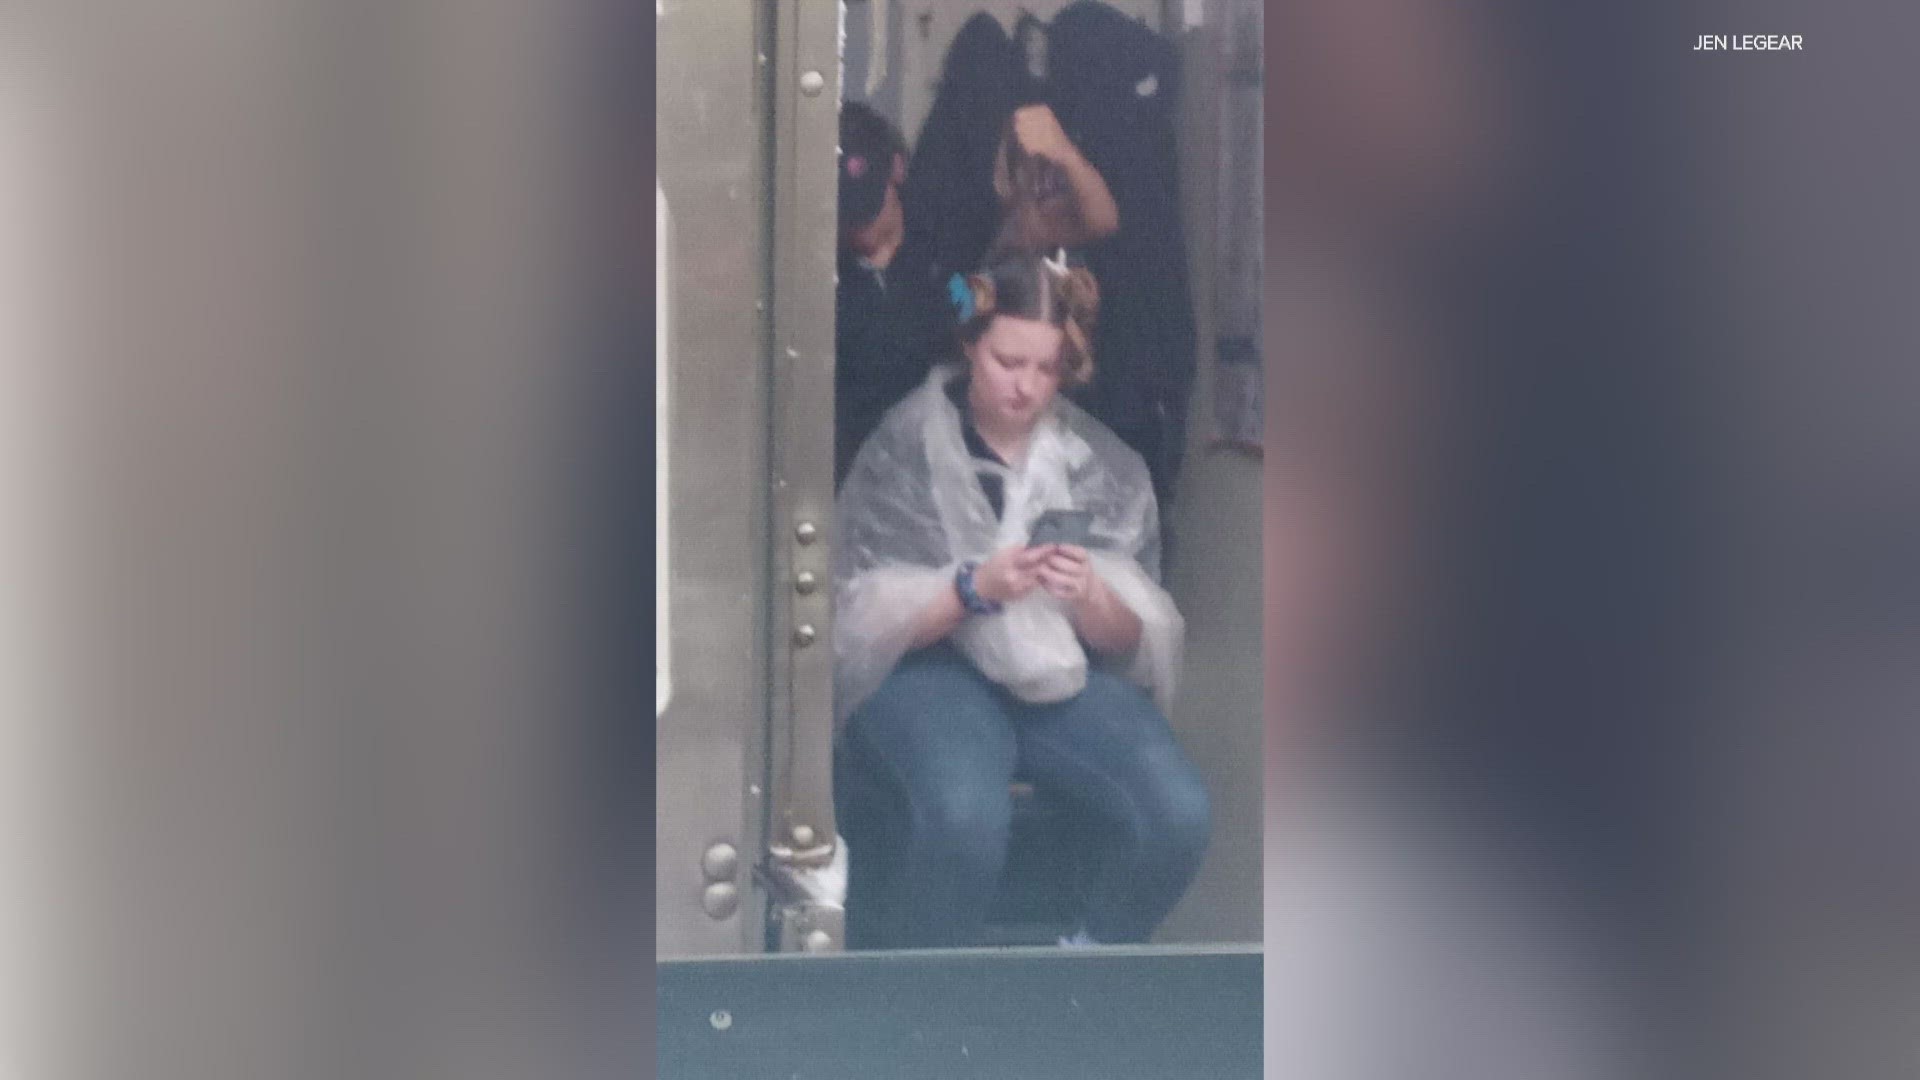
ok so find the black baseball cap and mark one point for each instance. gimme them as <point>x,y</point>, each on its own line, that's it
<point>868,144</point>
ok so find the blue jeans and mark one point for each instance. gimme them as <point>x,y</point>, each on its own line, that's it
<point>921,779</point>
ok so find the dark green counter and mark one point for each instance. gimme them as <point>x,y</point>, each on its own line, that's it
<point>1012,1014</point>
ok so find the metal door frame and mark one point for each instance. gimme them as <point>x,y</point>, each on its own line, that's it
<point>746,144</point>
<point>712,166</point>
<point>804,68</point>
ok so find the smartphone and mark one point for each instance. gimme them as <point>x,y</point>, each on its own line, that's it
<point>1073,527</point>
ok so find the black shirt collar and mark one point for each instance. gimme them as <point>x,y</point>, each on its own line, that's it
<point>976,445</point>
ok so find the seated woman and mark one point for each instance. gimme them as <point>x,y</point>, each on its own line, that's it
<point>966,654</point>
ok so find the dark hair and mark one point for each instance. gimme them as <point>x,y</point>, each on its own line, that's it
<point>950,203</point>
<point>1030,287</point>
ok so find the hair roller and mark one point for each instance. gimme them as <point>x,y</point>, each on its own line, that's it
<point>1082,296</point>
<point>983,293</point>
<point>1079,354</point>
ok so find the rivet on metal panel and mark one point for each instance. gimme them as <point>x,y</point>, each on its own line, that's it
<point>720,899</point>
<point>804,634</point>
<point>803,835</point>
<point>720,862</point>
<point>804,583</point>
<point>812,82</point>
<point>793,353</point>
<point>806,532</point>
<point>721,1019</point>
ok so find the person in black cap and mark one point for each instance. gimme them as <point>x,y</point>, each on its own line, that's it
<point>893,319</point>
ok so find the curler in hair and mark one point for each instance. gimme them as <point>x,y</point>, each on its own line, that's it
<point>982,288</point>
<point>1081,294</point>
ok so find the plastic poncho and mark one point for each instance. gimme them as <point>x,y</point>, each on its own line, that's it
<point>912,510</point>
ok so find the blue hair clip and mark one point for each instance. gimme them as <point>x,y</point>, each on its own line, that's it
<point>962,296</point>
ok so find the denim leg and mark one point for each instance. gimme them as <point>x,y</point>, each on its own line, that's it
<point>921,787</point>
<point>1110,751</point>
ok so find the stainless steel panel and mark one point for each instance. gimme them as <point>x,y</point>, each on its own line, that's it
<point>805,65</point>
<point>1219,716</point>
<point>713,168</point>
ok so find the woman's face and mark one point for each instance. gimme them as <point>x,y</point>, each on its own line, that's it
<point>1016,371</point>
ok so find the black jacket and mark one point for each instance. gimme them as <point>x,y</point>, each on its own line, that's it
<point>1114,84</point>
<point>891,326</point>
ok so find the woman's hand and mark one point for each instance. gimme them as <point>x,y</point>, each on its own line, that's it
<point>1039,132</point>
<point>1010,574</point>
<point>1103,619</point>
<point>1066,572</point>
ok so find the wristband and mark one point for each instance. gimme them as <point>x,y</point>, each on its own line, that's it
<point>970,597</point>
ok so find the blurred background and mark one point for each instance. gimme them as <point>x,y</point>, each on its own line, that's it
<point>1583,517</point>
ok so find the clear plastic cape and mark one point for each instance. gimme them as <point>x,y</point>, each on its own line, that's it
<point>912,510</point>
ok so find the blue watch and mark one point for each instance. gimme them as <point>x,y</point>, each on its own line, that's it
<point>970,597</point>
